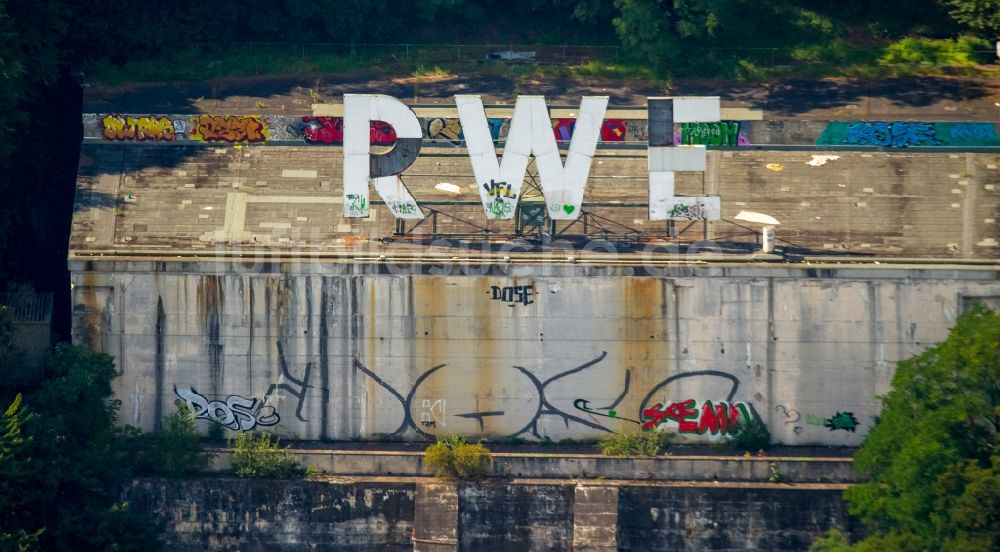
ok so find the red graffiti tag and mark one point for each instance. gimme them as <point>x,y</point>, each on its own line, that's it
<point>715,418</point>
<point>330,130</point>
<point>119,127</point>
<point>613,130</point>
<point>217,128</point>
<point>563,129</point>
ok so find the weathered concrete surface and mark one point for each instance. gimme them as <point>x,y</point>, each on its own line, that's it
<point>342,351</point>
<point>726,519</point>
<point>501,517</point>
<point>595,519</point>
<point>581,466</point>
<point>404,514</point>
<point>248,515</point>
<point>436,524</point>
<point>201,199</point>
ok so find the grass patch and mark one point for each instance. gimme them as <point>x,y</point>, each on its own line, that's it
<point>644,443</point>
<point>452,458</point>
<point>260,456</point>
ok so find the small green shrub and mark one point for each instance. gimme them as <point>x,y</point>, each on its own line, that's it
<point>747,437</point>
<point>645,443</point>
<point>452,458</point>
<point>259,456</point>
<point>176,451</point>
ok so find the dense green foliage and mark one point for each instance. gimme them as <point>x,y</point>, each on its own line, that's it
<point>452,458</point>
<point>641,443</point>
<point>175,451</point>
<point>933,458</point>
<point>260,456</point>
<point>751,436</point>
<point>63,464</point>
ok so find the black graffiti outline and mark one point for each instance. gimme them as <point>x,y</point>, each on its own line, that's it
<point>585,407</point>
<point>303,384</point>
<point>544,406</point>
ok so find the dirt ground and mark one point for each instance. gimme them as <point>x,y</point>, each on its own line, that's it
<point>904,98</point>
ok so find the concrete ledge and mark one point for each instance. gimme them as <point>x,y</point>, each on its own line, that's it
<point>579,466</point>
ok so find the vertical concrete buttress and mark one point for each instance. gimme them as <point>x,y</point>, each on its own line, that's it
<point>435,524</point>
<point>595,519</point>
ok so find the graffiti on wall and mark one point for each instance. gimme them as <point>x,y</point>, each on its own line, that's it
<point>527,402</point>
<point>903,134</point>
<point>235,412</point>
<point>715,418</point>
<point>325,130</point>
<point>330,130</point>
<point>219,128</point>
<point>688,416</point>
<point>513,295</point>
<point>151,127</point>
<point>722,133</point>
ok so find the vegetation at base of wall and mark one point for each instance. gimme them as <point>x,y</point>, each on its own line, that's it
<point>641,443</point>
<point>260,456</point>
<point>932,460</point>
<point>451,457</point>
<point>747,437</point>
<point>176,451</point>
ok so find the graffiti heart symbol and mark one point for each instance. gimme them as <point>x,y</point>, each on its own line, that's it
<point>798,430</point>
<point>569,209</point>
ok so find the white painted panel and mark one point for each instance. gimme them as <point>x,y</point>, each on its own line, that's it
<point>543,141</point>
<point>677,158</point>
<point>587,131</point>
<point>397,198</point>
<point>396,113</point>
<point>661,191</point>
<point>705,109</point>
<point>356,124</point>
<point>475,127</point>
<point>355,183</point>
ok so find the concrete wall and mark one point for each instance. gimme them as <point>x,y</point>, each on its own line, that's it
<point>401,514</point>
<point>346,351</point>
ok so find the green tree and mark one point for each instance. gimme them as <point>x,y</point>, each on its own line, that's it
<point>63,465</point>
<point>982,16</point>
<point>933,459</point>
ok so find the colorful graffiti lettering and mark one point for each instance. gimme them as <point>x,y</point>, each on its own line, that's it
<point>723,133</point>
<point>439,128</point>
<point>330,130</point>
<point>563,128</point>
<point>356,203</point>
<point>236,413</point>
<point>403,208</point>
<point>687,212</point>
<point>499,208</point>
<point>498,128</point>
<point>975,133</point>
<point>896,135</point>
<point>218,128</point>
<point>513,295</point>
<point>842,420</point>
<point>715,418</point>
<point>120,127</point>
<point>613,130</point>
<point>498,189</point>
<point>905,134</point>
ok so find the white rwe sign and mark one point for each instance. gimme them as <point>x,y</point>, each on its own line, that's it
<point>530,135</point>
